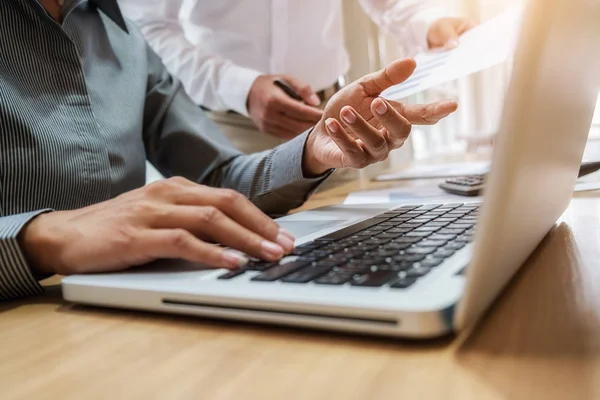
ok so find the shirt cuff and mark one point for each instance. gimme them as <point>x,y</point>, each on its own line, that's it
<point>289,174</point>
<point>16,277</point>
<point>235,86</point>
<point>421,23</point>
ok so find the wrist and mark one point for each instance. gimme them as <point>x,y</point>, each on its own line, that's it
<point>311,165</point>
<point>37,244</point>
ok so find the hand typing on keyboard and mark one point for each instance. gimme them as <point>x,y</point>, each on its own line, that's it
<point>174,218</point>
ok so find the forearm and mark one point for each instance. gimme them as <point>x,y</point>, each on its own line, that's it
<point>182,141</point>
<point>274,180</point>
<point>16,276</point>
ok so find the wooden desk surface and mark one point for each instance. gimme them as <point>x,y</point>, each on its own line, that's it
<point>541,340</point>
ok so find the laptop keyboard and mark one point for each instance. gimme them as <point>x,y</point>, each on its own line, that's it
<point>393,249</point>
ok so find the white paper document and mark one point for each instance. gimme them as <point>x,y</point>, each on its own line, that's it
<point>414,195</point>
<point>432,171</point>
<point>485,46</point>
<point>428,194</point>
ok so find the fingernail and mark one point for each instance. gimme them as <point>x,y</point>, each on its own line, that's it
<point>287,233</point>
<point>452,44</point>
<point>271,250</point>
<point>234,259</point>
<point>285,242</point>
<point>349,117</point>
<point>314,100</point>
<point>331,125</point>
<point>380,107</point>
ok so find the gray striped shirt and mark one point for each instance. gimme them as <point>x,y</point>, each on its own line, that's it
<point>83,104</point>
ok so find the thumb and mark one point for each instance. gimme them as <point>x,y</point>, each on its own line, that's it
<point>304,90</point>
<point>394,74</point>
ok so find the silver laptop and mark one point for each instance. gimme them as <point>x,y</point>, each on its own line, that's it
<point>409,270</point>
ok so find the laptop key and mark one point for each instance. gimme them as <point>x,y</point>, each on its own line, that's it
<point>259,265</point>
<point>384,252</point>
<point>373,279</point>
<point>339,258</point>
<point>418,234</point>
<point>280,271</point>
<point>446,219</point>
<point>410,240</point>
<point>334,278</point>
<point>306,275</point>
<point>417,272</point>
<point>376,241</point>
<point>362,263</point>
<point>420,220</point>
<point>325,263</point>
<point>431,262</point>
<point>408,258</point>
<point>389,235</point>
<point>437,223</point>
<point>300,251</point>
<point>432,243</point>
<point>411,225</point>
<point>444,253</point>
<point>451,231</point>
<point>429,206</point>
<point>428,228</point>
<point>232,274</point>
<point>398,246</point>
<point>395,266</point>
<point>403,283</point>
<point>352,229</point>
<point>439,236</point>
<point>421,250</point>
<point>455,246</point>
<point>461,225</point>
<point>400,230</point>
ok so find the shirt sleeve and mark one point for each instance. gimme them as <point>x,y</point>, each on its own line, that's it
<point>211,80</point>
<point>181,140</point>
<point>408,21</point>
<point>16,277</point>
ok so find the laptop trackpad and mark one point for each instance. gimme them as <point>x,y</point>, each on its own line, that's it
<point>303,228</point>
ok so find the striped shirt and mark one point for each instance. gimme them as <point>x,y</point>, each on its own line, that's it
<point>83,104</point>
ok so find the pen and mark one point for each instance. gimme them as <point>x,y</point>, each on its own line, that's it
<point>283,85</point>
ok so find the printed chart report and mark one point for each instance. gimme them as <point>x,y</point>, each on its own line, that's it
<point>485,46</point>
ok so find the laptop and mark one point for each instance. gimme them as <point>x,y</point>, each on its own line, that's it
<point>410,270</point>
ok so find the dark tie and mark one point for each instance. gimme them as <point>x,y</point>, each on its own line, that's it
<point>112,10</point>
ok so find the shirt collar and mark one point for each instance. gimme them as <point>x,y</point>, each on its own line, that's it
<point>112,11</point>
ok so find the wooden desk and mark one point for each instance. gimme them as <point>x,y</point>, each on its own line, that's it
<point>540,341</point>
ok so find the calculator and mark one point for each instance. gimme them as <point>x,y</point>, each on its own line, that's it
<point>471,185</point>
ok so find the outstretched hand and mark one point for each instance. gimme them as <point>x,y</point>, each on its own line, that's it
<point>360,128</point>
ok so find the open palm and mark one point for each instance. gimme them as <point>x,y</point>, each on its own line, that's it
<point>353,134</point>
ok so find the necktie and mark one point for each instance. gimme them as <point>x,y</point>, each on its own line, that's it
<point>112,10</point>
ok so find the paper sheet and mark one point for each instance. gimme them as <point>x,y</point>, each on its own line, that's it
<point>485,46</point>
<point>431,171</point>
<point>432,194</point>
<point>414,195</point>
<point>587,186</point>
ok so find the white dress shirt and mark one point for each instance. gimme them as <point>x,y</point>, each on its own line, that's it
<point>217,48</point>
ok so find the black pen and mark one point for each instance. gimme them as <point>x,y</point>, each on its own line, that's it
<point>283,85</point>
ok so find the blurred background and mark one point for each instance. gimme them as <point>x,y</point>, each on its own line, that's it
<point>480,96</point>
